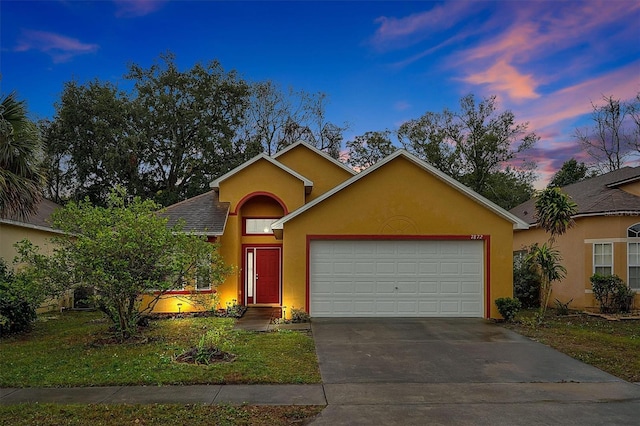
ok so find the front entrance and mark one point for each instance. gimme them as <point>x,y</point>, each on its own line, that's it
<point>262,276</point>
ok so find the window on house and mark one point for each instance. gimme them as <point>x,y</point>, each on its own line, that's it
<point>603,258</point>
<point>633,256</point>
<point>259,226</point>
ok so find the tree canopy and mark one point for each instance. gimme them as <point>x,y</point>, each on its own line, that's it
<point>476,145</point>
<point>174,132</point>
<point>570,172</point>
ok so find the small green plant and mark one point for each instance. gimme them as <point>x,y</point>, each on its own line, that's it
<point>508,307</point>
<point>214,345</point>
<point>562,308</point>
<point>612,293</point>
<point>299,315</point>
<point>234,309</point>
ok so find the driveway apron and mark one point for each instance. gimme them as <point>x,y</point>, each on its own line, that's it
<point>458,371</point>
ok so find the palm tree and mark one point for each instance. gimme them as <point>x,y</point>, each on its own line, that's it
<point>554,210</point>
<point>548,261</point>
<point>21,177</point>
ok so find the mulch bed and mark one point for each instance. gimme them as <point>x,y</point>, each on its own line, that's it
<point>212,355</point>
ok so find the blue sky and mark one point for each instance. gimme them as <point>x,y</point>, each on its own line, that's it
<point>381,63</point>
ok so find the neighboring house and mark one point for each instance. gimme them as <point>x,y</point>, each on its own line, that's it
<point>37,229</point>
<point>399,239</point>
<point>605,239</point>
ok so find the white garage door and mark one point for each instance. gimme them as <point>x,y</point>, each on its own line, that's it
<point>396,278</point>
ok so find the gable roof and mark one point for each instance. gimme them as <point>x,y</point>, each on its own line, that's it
<point>308,184</point>
<point>202,214</point>
<point>595,196</point>
<point>517,223</point>
<point>317,151</point>
<point>40,220</point>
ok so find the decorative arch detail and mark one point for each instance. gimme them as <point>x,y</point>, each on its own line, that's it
<point>633,231</point>
<point>257,194</point>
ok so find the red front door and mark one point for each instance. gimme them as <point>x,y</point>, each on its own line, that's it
<point>267,275</point>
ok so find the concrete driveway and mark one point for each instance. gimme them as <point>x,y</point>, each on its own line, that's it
<point>459,372</point>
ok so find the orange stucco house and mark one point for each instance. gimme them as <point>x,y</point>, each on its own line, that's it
<point>605,238</point>
<point>397,239</point>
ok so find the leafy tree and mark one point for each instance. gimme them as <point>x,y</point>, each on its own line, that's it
<point>369,148</point>
<point>166,139</point>
<point>18,301</point>
<point>188,121</point>
<point>613,134</point>
<point>122,251</point>
<point>526,279</point>
<point>92,143</point>
<point>471,145</point>
<point>509,187</point>
<point>570,172</point>
<point>21,176</point>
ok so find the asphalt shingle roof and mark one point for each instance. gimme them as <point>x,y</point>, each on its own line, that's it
<point>42,217</point>
<point>202,214</point>
<point>597,195</point>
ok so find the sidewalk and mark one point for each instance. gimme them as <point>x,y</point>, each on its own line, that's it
<point>193,394</point>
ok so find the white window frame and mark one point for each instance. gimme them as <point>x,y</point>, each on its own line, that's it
<point>602,265</point>
<point>633,238</point>
<point>259,226</point>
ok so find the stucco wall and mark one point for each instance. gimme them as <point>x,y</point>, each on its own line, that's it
<point>576,248</point>
<point>324,174</point>
<point>11,234</point>
<point>397,199</point>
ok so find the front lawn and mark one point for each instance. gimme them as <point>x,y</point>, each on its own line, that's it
<point>164,414</point>
<point>71,349</point>
<point>612,346</point>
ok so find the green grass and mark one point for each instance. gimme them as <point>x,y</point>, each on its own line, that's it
<point>612,346</point>
<point>192,415</point>
<point>71,349</point>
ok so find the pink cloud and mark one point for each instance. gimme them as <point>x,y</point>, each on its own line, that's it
<point>60,48</point>
<point>505,78</point>
<point>574,101</point>
<point>136,8</point>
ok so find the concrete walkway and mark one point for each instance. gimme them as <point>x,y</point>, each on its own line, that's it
<point>195,394</point>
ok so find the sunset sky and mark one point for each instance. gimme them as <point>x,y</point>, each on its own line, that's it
<point>381,63</point>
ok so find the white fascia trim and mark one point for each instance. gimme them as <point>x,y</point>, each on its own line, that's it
<point>517,222</point>
<point>263,156</point>
<point>629,213</point>
<point>313,148</point>
<point>30,226</point>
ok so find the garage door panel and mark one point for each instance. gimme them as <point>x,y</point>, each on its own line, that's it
<point>430,287</point>
<point>387,278</point>
<point>428,268</point>
<point>387,268</point>
<point>449,287</point>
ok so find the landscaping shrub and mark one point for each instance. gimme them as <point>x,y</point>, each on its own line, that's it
<point>17,310</point>
<point>508,307</point>
<point>299,315</point>
<point>612,293</point>
<point>526,281</point>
